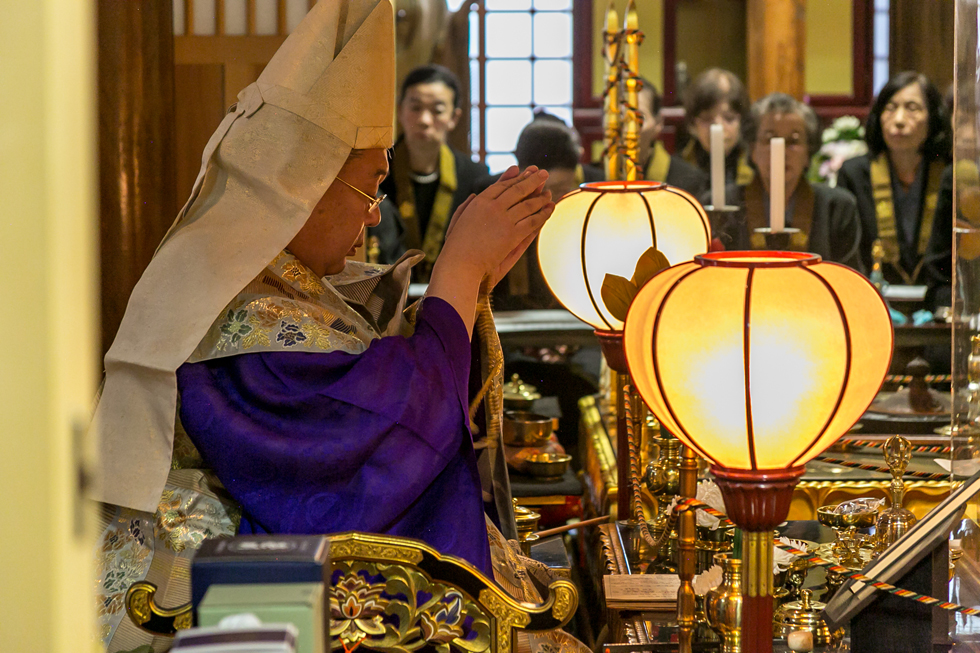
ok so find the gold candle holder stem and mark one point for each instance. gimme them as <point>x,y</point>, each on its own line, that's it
<point>688,473</point>
<point>686,600</point>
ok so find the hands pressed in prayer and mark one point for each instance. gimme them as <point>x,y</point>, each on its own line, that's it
<point>488,234</point>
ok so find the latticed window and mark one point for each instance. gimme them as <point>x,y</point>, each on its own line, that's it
<point>520,59</point>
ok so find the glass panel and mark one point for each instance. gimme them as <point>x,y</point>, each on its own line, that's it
<point>553,5</point>
<point>553,82</point>
<point>205,20</point>
<point>880,74</point>
<point>266,17</point>
<point>236,21</point>
<point>500,162</point>
<point>503,127</point>
<point>880,38</point>
<point>454,5</point>
<point>474,82</point>
<point>553,35</point>
<point>565,113</point>
<point>509,35</point>
<point>965,311</point>
<point>475,131</point>
<point>508,5</point>
<point>882,5</point>
<point>474,33</point>
<point>508,82</point>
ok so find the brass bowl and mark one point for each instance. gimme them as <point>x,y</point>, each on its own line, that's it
<point>524,429</point>
<point>547,465</point>
<point>827,517</point>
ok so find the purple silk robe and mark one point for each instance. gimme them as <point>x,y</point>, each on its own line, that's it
<point>329,442</point>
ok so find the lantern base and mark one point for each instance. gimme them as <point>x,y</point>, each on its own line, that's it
<point>757,500</point>
<point>611,343</point>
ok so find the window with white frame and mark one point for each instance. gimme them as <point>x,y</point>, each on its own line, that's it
<point>520,60</point>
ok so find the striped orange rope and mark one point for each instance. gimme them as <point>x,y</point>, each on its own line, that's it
<point>879,444</point>
<point>931,476</point>
<point>816,560</point>
<point>877,584</point>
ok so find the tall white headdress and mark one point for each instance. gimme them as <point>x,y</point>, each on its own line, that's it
<point>329,89</point>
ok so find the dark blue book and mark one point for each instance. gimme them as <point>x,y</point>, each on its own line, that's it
<point>260,559</point>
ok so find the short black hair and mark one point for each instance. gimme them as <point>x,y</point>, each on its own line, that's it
<point>657,99</point>
<point>711,87</point>
<point>939,140</point>
<point>428,75</point>
<point>784,104</point>
<point>547,145</point>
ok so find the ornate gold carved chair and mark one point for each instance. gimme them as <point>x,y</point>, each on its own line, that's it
<point>394,594</point>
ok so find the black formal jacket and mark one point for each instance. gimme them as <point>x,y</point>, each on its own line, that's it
<point>834,229</point>
<point>855,176</point>
<point>391,230</point>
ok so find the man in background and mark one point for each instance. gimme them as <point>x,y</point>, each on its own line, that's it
<point>428,179</point>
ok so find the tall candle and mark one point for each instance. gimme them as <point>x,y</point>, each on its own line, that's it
<point>777,184</point>
<point>717,166</point>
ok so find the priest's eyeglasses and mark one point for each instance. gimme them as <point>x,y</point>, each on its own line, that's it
<point>375,201</point>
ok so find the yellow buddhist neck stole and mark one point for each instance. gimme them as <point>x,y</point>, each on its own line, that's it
<point>435,232</point>
<point>659,164</point>
<point>756,215</point>
<point>881,192</point>
<point>744,173</point>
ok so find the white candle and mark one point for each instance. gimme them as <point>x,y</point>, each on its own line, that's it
<point>777,184</point>
<point>717,166</point>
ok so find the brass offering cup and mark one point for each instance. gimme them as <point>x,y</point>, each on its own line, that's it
<point>547,465</point>
<point>524,429</point>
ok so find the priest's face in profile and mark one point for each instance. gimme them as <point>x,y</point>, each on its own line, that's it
<point>335,228</point>
<point>792,128</point>
<point>722,114</point>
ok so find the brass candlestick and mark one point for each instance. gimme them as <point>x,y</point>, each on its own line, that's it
<point>895,521</point>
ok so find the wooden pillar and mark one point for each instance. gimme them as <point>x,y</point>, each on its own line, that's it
<point>136,144</point>
<point>776,33</point>
<point>910,21</point>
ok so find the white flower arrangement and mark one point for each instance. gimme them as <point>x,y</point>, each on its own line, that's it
<point>843,140</point>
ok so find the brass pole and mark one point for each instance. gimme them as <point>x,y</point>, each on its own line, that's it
<point>611,108</point>
<point>631,138</point>
<point>688,475</point>
<point>685,570</point>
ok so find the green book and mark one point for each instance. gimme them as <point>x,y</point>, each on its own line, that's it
<point>300,604</point>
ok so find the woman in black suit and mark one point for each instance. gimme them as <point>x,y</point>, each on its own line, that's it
<point>897,184</point>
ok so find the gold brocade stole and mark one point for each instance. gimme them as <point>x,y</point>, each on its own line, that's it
<point>435,232</point>
<point>744,174</point>
<point>659,164</point>
<point>881,191</point>
<point>756,216</point>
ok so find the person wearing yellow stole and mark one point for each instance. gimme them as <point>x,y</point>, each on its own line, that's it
<point>263,382</point>
<point>657,163</point>
<point>826,217</point>
<point>428,180</point>
<point>897,184</point>
<point>717,97</point>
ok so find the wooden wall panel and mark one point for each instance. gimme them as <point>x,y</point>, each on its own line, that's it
<point>199,107</point>
<point>776,47</point>
<point>922,39</point>
<point>136,144</point>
